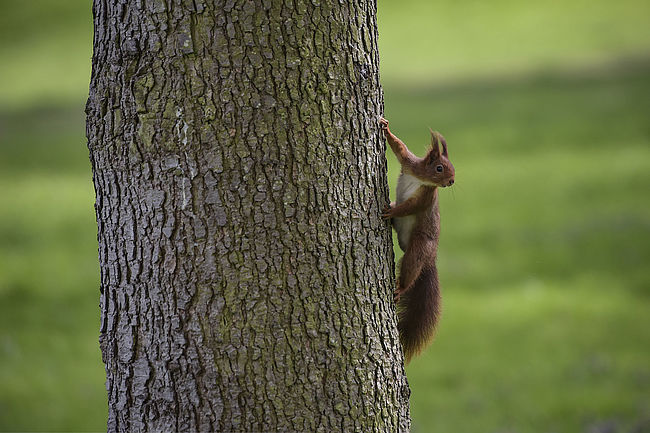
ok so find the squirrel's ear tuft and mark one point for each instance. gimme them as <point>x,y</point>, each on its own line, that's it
<point>435,146</point>
<point>444,145</point>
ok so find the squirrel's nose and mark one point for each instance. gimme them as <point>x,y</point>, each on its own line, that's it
<point>451,182</point>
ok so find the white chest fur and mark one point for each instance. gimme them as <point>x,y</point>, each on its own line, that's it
<point>407,185</point>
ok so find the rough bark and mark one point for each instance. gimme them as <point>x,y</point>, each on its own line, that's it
<point>246,275</point>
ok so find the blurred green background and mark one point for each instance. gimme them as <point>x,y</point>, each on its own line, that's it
<point>545,248</point>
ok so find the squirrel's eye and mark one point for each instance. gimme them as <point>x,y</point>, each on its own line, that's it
<point>439,168</point>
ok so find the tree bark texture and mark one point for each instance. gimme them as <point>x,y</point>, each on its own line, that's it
<point>246,274</point>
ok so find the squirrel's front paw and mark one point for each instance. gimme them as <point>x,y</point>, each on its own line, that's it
<point>387,213</point>
<point>383,123</point>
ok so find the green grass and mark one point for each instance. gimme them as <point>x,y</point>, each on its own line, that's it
<point>49,323</point>
<point>545,240</point>
<point>534,356</point>
<point>45,48</point>
<point>422,41</point>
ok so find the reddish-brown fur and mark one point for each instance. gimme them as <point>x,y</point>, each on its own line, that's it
<point>418,288</point>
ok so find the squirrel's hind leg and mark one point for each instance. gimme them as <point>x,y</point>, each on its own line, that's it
<point>417,254</point>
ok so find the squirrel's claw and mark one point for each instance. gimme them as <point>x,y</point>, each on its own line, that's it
<point>387,212</point>
<point>397,294</point>
<point>383,123</point>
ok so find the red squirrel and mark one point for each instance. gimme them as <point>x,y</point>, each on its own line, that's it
<point>416,219</point>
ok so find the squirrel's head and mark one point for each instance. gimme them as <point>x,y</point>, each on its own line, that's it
<point>436,167</point>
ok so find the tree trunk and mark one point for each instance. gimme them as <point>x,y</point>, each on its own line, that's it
<point>246,274</point>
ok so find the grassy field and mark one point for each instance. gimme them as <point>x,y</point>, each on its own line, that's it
<point>546,234</point>
<point>544,253</point>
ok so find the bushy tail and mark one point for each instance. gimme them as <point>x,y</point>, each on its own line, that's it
<point>419,309</point>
